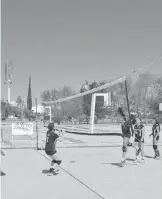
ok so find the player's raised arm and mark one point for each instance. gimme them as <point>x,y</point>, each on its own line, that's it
<point>61,135</point>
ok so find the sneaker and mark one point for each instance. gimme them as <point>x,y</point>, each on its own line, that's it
<point>122,163</point>
<point>56,170</point>
<point>50,172</point>
<point>157,158</point>
<point>142,161</point>
<point>136,160</point>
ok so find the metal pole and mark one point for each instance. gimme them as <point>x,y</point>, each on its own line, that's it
<point>36,121</point>
<point>50,115</point>
<point>126,90</point>
<point>9,91</point>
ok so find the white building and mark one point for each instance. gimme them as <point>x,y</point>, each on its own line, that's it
<point>13,103</point>
<point>40,108</point>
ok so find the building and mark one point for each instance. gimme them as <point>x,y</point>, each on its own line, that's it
<point>40,109</point>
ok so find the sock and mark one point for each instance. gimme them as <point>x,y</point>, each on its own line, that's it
<point>123,159</point>
<point>158,153</point>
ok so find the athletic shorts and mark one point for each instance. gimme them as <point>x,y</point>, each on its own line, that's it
<point>126,135</point>
<point>51,152</point>
<point>137,140</point>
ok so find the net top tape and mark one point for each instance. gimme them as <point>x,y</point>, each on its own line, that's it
<point>86,92</point>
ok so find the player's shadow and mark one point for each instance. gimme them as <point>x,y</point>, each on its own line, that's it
<point>115,164</point>
<point>2,174</point>
<point>118,164</point>
<point>45,171</point>
<point>130,159</point>
<point>112,163</point>
<point>147,156</point>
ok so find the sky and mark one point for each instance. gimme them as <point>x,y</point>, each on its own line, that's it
<point>65,42</point>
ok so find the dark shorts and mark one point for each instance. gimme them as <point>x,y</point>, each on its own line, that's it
<point>50,152</point>
<point>138,140</point>
<point>126,135</point>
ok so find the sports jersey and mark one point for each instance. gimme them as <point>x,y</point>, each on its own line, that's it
<point>51,139</point>
<point>126,129</point>
<point>138,131</point>
<point>154,130</point>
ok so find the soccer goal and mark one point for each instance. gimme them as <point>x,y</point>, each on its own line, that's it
<point>107,102</point>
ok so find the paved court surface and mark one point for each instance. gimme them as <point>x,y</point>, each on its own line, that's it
<point>89,173</point>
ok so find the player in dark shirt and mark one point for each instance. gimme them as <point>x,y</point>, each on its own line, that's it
<point>50,148</point>
<point>126,131</point>
<point>139,132</point>
<point>155,134</point>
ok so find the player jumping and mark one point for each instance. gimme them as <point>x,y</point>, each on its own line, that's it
<point>155,134</point>
<point>139,132</point>
<point>50,148</point>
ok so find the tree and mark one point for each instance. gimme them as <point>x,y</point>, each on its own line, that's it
<point>70,108</point>
<point>19,106</point>
<point>29,99</point>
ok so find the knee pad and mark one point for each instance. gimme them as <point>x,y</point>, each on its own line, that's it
<point>124,148</point>
<point>155,147</point>
<point>57,161</point>
<point>53,161</point>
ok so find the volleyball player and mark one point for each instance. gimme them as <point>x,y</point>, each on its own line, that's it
<point>52,137</point>
<point>155,134</point>
<point>126,130</point>
<point>139,132</point>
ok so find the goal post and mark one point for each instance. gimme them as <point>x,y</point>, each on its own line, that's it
<point>107,102</point>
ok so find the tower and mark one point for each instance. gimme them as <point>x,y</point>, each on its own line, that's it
<point>8,79</point>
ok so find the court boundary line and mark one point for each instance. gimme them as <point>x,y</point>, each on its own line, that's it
<point>75,178</point>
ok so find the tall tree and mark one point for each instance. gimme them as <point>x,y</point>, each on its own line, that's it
<point>19,102</point>
<point>29,99</point>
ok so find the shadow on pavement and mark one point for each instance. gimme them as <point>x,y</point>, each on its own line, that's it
<point>115,164</point>
<point>112,163</point>
<point>130,159</point>
<point>147,156</point>
<point>45,171</point>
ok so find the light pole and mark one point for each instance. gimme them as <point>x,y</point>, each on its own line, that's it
<point>36,106</point>
<point>8,79</point>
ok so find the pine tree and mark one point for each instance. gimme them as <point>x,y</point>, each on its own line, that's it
<point>29,99</point>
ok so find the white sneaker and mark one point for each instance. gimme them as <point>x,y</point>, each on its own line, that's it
<point>136,160</point>
<point>122,163</point>
<point>56,170</point>
<point>143,160</point>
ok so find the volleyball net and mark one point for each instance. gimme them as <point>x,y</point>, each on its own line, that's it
<point>93,110</point>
